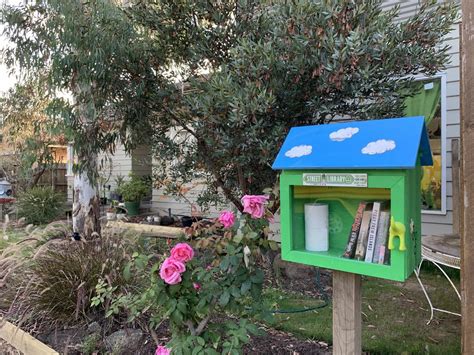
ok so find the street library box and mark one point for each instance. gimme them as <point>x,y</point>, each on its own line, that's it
<point>346,164</point>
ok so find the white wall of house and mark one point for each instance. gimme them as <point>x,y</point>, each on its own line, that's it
<point>442,223</point>
<point>121,164</point>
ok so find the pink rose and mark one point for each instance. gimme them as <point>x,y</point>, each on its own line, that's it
<point>162,350</point>
<point>182,252</point>
<point>255,205</point>
<point>196,286</point>
<point>227,218</point>
<point>171,271</point>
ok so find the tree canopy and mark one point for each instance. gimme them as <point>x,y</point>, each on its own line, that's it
<point>215,86</point>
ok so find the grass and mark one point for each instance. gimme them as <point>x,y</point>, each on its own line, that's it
<point>10,236</point>
<point>394,316</point>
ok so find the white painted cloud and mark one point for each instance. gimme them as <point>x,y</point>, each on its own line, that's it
<point>299,151</point>
<point>379,147</point>
<point>343,133</point>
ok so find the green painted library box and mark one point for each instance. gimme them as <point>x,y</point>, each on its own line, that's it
<point>341,165</point>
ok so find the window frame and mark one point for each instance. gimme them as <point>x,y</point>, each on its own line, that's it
<point>443,97</point>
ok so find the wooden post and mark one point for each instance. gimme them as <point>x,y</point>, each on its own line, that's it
<point>456,186</point>
<point>346,314</point>
<point>467,174</point>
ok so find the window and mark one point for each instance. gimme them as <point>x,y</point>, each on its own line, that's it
<point>430,102</point>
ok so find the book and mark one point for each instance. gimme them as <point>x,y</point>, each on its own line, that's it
<point>381,240</point>
<point>354,233</point>
<point>363,234</point>
<point>386,259</point>
<point>372,236</point>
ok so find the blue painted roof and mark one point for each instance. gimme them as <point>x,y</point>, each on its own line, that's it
<point>374,144</point>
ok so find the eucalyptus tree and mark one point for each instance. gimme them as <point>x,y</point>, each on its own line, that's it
<point>96,67</point>
<point>28,132</point>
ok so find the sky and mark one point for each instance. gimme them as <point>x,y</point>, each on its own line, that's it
<point>6,81</point>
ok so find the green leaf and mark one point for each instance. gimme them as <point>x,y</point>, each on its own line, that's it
<point>224,299</point>
<point>258,277</point>
<point>177,317</point>
<point>126,272</point>
<point>245,287</point>
<point>197,350</point>
<point>273,245</point>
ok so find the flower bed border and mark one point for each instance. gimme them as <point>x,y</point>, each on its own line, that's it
<point>23,341</point>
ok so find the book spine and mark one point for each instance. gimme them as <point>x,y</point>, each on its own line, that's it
<point>383,241</point>
<point>354,233</point>
<point>374,221</point>
<point>363,234</point>
<point>382,230</point>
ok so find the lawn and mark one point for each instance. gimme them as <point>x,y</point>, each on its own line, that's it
<point>394,316</point>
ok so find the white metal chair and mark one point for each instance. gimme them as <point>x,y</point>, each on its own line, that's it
<point>440,250</point>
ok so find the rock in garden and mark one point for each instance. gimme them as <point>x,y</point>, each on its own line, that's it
<point>94,327</point>
<point>125,341</point>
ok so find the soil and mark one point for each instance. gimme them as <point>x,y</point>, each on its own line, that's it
<point>278,342</point>
<point>274,342</point>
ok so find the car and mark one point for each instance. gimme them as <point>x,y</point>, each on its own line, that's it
<point>5,189</point>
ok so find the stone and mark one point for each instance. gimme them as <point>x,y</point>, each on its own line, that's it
<point>66,340</point>
<point>94,327</point>
<point>124,341</point>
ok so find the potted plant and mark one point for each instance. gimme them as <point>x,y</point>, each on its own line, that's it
<point>111,212</point>
<point>132,192</point>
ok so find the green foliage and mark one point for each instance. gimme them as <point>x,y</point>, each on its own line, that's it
<point>28,133</point>
<point>291,63</point>
<point>40,205</point>
<point>59,280</point>
<point>91,51</point>
<point>134,189</point>
<point>90,344</point>
<point>269,66</point>
<point>222,279</point>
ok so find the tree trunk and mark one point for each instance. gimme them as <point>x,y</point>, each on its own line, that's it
<point>86,211</point>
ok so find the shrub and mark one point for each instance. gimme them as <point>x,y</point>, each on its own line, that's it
<point>134,189</point>
<point>39,205</point>
<point>197,288</point>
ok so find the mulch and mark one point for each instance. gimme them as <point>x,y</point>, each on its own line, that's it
<point>277,342</point>
<point>6,349</point>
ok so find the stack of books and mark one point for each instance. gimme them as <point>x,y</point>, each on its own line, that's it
<point>369,234</point>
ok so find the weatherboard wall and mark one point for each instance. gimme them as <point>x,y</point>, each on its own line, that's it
<point>437,224</point>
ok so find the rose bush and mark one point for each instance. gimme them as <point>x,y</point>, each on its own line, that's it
<point>199,282</point>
